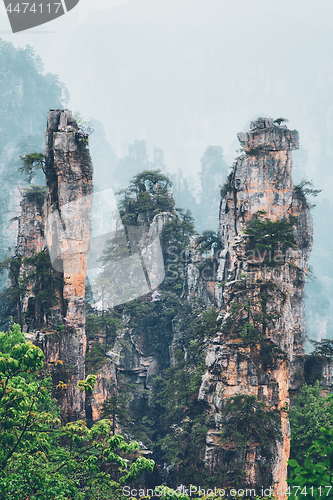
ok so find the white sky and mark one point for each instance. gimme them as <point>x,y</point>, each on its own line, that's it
<point>186,74</point>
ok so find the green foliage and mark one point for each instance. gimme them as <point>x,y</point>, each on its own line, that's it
<point>46,285</point>
<point>11,338</point>
<point>306,188</point>
<point>224,188</point>
<point>247,421</point>
<point>309,413</point>
<point>88,384</point>
<point>19,395</point>
<point>175,239</point>
<point>314,479</point>
<point>32,274</point>
<point>37,193</point>
<point>257,151</point>
<point>30,163</point>
<point>250,320</point>
<point>11,297</point>
<point>165,493</point>
<point>315,361</point>
<point>269,237</point>
<point>42,459</point>
<point>102,323</point>
<point>148,194</point>
<point>115,408</point>
<point>184,417</point>
<point>246,424</point>
<point>95,357</point>
<point>323,348</point>
<point>206,242</point>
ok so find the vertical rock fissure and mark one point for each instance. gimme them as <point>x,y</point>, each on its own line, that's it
<point>259,346</point>
<point>62,235</point>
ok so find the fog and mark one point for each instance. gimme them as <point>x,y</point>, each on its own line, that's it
<point>186,74</point>
<point>183,74</point>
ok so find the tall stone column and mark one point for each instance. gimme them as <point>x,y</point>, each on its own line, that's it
<point>68,171</point>
<point>250,283</point>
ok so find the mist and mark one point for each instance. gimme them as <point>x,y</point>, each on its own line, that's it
<point>185,75</point>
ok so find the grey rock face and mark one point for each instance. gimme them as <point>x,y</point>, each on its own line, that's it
<point>62,225</point>
<point>259,186</point>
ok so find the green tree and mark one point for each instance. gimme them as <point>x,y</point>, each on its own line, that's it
<point>40,459</point>
<point>314,479</point>
<point>247,421</point>
<point>249,424</point>
<point>148,194</point>
<point>184,419</point>
<point>31,163</point>
<point>157,321</point>
<point>306,188</point>
<point>207,242</point>
<point>35,276</point>
<point>268,237</point>
<point>309,413</point>
<point>115,408</point>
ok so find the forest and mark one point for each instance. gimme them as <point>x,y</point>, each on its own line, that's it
<point>205,385</point>
<point>165,423</point>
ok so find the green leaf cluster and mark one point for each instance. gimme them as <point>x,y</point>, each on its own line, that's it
<point>247,422</point>
<point>269,237</point>
<point>148,194</point>
<point>314,479</point>
<point>306,188</point>
<point>206,242</point>
<point>31,163</point>
<point>250,320</point>
<point>184,421</point>
<point>35,276</point>
<point>40,459</point>
<point>37,193</point>
<point>310,411</point>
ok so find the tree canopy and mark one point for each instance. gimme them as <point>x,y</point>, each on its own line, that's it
<point>40,458</point>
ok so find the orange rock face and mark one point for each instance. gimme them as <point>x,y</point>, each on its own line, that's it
<point>69,173</point>
<point>61,227</point>
<point>259,294</point>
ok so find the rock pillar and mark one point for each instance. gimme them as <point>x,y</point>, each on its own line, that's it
<point>57,227</point>
<point>259,291</point>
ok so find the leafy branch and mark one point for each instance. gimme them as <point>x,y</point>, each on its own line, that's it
<point>31,163</point>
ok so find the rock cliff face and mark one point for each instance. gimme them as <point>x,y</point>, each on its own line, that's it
<point>265,232</point>
<point>138,356</point>
<point>59,227</point>
<point>255,278</point>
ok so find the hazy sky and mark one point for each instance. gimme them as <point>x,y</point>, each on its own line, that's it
<point>186,74</point>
